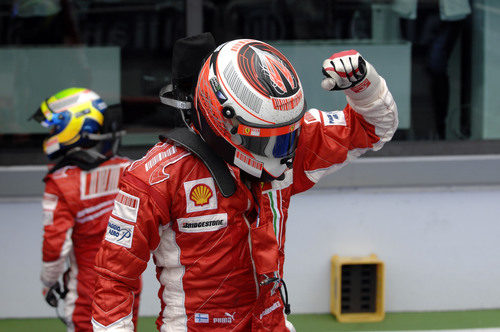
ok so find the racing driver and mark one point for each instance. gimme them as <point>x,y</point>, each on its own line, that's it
<point>79,193</point>
<point>219,248</point>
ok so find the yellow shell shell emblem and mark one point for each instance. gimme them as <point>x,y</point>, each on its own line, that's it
<point>200,194</point>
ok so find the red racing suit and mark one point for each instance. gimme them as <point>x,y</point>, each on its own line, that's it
<point>213,253</point>
<point>76,208</point>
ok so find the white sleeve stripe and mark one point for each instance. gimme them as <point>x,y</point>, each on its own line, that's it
<point>51,271</point>
<point>94,216</point>
<point>124,324</point>
<point>317,174</point>
<point>94,208</point>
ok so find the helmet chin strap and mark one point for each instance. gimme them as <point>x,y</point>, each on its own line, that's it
<point>167,98</point>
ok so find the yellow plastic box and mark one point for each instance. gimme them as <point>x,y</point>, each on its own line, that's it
<point>357,289</point>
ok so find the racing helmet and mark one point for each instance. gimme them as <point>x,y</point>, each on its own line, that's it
<point>73,116</point>
<point>249,105</point>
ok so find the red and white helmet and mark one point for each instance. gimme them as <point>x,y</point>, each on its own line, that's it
<point>250,104</point>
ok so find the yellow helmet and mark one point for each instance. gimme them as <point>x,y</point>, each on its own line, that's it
<point>73,115</point>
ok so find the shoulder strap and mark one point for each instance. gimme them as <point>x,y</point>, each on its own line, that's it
<point>216,165</point>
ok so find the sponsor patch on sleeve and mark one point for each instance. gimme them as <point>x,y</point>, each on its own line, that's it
<point>312,116</point>
<point>48,218</point>
<point>209,223</point>
<point>200,195</point>
<point>49,204</point>
<point>201,318</point>
<point>119,233</point>
<point>334,118</point>
<point>126,206</point>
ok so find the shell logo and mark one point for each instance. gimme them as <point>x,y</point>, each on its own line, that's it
<point>200,194</point>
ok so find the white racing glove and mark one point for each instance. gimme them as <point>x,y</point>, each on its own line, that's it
<point>348,71</point>
<point>343,70</point>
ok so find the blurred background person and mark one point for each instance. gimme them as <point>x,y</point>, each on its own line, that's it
<point>44,22</point>
<point>434,27</point>
<point>79,194</point>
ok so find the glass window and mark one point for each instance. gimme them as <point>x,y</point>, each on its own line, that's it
<point>439,57</point>
<point>421,47</point>
<point>120,49</point>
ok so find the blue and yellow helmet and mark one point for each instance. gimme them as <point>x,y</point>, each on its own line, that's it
<point>71,115</point>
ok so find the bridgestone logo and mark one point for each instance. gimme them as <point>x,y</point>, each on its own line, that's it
<point>202,224</point>
<point>207,223</point>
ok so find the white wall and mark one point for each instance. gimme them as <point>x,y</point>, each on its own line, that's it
<point>440,247</point>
